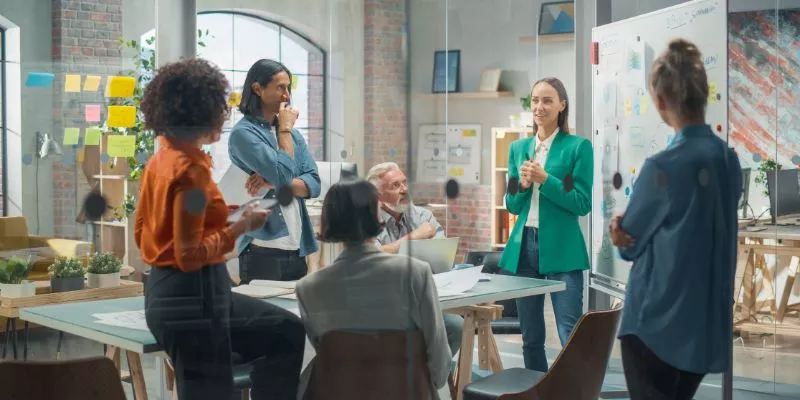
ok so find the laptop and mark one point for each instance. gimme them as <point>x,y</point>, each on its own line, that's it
<point>439,253</point>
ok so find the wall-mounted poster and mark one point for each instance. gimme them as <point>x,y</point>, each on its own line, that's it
<point>449,151</point>
<point>446,71</point>
<point>557,18</point>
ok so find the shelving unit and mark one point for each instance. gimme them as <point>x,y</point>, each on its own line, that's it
<point>561,37</point>
<point>469,95</point>
<point>502,221</point>
<point>111,178</point>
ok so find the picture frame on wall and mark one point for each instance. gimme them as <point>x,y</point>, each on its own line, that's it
<point>446,71</point>
<point>557,18</point>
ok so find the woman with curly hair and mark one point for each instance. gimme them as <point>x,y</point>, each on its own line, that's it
<point>182,231</point>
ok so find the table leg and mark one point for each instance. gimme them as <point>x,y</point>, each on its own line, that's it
<point>465,355</point>
<point>6,337</point>
<point>14,332</point>
<point>58,345</point>
<point>137,375</point>
<point>25,343</point>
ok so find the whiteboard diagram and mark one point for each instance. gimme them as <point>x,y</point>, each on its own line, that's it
<point>627,127</point>
<point>449,151</point>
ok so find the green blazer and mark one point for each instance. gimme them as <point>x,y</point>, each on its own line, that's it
<point>561,244</point>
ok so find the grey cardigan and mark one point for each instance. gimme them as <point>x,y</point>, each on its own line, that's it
<point>366,289</point>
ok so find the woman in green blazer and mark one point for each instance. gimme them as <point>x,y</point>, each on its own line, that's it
<point>550,186</point>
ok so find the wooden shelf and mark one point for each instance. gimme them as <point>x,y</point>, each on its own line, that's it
<point>118,224</point>
<point>561,37</point>
<point>501,169</point>
<point>103,176</point>
<point>470,95</point>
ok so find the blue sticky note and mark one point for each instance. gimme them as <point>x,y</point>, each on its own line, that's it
<point>104,157</point>
<point>69,157</point>
<point>39,79</point>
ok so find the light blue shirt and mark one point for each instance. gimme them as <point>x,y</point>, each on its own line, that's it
<point>253,147</point>
<point>682,214</point>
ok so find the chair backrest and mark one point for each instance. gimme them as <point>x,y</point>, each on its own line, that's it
<point>13,233</point>
<point>489,260</point>
<point>380,365</point>
<point>580,368</point>
<point>84,379</point>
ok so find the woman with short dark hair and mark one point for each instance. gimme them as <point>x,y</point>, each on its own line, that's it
<point>366,288</point>
<point>182,230</point>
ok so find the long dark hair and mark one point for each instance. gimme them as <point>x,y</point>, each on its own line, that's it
<point>563,116</point>
<point>262,72</point>
<point>350,213</point>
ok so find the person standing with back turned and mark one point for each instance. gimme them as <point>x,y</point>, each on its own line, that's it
<point>554,174</point>
<point>680,231</point>
<point>265,144</point>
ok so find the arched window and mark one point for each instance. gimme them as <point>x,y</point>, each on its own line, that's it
<point>234,41</point>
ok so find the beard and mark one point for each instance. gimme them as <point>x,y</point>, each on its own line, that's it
<point>400,208</point>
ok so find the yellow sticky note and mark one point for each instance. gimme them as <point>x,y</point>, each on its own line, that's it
<point>71,135</point>
<point>121,116</point>
<point>92,83</point>
<point>72,83</point>
<point>79,155</point>
<point>234,98</point>
<point>712,92</point>
<point>120,86</point>
<point>93,135</point>
<point>294,82</point>
<point>643,104</point>
<point>121,146</point>
<point>469,133</point>
<point>628,107</point>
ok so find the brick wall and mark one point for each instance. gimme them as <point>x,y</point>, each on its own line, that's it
<point>316,88</point>
<point>86,37</point>
<point>385,83</point>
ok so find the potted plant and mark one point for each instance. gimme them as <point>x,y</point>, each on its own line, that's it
<point>66,274</point>
<point>103,270</point>
<point>526,116</point>
<point>12,277</point>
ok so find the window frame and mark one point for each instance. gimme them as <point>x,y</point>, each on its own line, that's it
<point>3,123</point>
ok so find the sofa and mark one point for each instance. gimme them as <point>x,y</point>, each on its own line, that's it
<point>15,240</point>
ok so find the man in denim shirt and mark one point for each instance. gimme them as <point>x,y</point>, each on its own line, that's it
<point>265,144</point>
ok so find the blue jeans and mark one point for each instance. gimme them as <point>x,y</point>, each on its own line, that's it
<point>567,304</point>
<point>453,326</point>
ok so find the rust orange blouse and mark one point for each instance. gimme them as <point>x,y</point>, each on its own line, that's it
<point>181,216</point>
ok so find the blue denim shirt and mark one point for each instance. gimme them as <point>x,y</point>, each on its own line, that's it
<point>253,147</point>
<point>682,214</point>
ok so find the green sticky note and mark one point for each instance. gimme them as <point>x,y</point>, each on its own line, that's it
<point>93,135</point>
<point>121,146</point>
<point>71,135</point>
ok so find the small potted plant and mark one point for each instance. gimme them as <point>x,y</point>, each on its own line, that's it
<point>12,277</point>
<point>103,270</point>
<point>66,275</point>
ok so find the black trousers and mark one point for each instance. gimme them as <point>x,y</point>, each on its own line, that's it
<point>648,377</point>
<point>271,264</point>
<point>201,324</point>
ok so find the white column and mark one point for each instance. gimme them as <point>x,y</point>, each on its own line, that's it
<point>176,30</point>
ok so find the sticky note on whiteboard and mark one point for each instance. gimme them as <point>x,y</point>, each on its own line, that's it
<point>469,133</point>
<point>121,146</point>
<point>712,92</point>
<point>92,83</point>
<point>121,116</point>
<point>93,135</point>
<point>120,86</point>
<point>628,107</point>
<point>72,83</point>
<point>71,136</point>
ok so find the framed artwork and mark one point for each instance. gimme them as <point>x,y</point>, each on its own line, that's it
<point>490,80</point>
<point>446,71</point>
<point>557,18</point>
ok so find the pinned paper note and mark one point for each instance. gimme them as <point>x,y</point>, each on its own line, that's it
<point>121,146</point>
<point>72,83</point>
<point>469,133</point>
<point>637,105</point>
<point>121,116</point>
<point>92,113</point>
<point>71,136</point>
<point>294,82</point>
<point>120,86</point>
<point>712,92</point>
<point>93,135</point>
<point>643,104</point>
<point>39,79</point>
<point>79,155</point>
<point>92,83</point>
<point>628,107</point>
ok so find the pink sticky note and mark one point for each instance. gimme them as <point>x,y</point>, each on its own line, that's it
<point>92,113</point>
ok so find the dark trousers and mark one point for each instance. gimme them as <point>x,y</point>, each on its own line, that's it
<point>567,304</point>
<point>271,264</point>
<point>201,324</point>
<point>648,377</point>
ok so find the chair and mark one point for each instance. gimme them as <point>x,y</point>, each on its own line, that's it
<point>381,365</point>
<point>577,373</point>
<point>84,379</point>
<point>509,324</point>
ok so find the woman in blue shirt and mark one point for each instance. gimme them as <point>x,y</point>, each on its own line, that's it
<point>265,144</point>
<point>679,229</point>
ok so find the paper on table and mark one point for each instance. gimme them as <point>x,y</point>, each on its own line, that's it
<point>456,282</point>
<point>123,319</point>
<point>232,186</point>
<point>260,292</point>
<point>275,284</point>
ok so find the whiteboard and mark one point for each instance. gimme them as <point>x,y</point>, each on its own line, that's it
<point>627,128</point>
<point>449,151</point>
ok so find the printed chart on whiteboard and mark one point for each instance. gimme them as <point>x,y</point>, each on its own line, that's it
<point>449,151</point>
<point>627,127</point>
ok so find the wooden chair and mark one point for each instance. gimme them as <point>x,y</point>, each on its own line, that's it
<point>84,379</point>
<point>380,365</point>
<point>577,373</point>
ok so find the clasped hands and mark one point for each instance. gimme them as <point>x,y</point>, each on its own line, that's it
<point>619,237</point>
<point>530,172</point>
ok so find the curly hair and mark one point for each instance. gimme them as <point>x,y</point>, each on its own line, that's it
<point>186,99</point>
